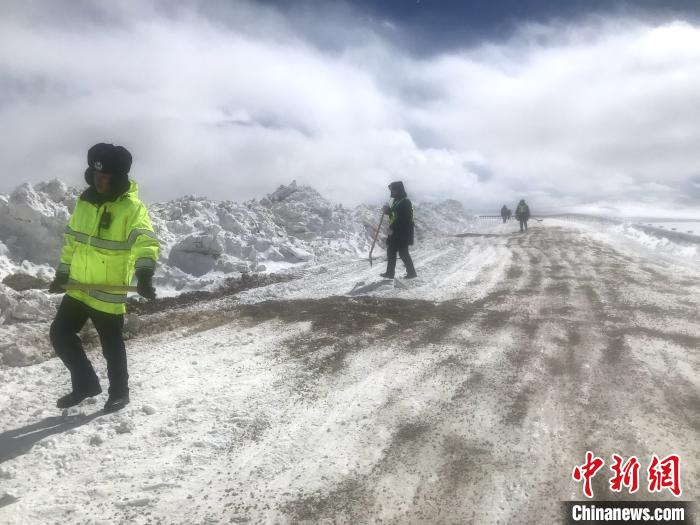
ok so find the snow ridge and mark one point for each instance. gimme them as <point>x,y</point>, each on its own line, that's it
<point>203,241</point>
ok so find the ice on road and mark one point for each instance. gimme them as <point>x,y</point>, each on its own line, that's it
<point>465,396</point>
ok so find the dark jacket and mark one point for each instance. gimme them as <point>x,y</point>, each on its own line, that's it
<point>522,212</point>
<point>401,228</point>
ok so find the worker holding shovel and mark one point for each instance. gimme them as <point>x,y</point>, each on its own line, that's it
<point>400,231</point>
<point>109,238</point>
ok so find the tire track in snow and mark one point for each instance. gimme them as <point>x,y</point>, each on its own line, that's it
<point>354,409</point>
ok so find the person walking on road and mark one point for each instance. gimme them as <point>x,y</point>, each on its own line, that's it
<point>109,238</point>
<point>504,213</point>
<point>522,213</point>
<point>401,231</point>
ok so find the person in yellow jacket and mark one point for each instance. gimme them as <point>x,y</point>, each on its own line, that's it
<point>108,240</point>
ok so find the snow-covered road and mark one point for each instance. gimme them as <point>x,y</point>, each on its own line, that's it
<point>465,396</point>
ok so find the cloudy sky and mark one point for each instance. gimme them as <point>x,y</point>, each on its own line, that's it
<point>584,103</point>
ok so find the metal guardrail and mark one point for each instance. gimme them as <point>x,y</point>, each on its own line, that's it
<point>492,218</point>
<point>495,218</point>
<point>580,217</point>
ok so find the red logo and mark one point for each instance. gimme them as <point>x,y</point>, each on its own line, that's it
<point>587,471</point>
<point>626,474</point>
<point>663,473</point>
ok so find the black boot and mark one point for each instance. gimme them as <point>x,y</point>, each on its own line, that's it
<point>386,275</point>
<point>116,402</point>
<point>77,396</point>
<point>410,275</point>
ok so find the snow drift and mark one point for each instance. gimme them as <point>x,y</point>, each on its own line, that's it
<point>203,243</point>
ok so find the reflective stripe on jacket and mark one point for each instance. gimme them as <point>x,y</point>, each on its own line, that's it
<point>101,251</point>
<point>522,212</point>
<point>393,212</point>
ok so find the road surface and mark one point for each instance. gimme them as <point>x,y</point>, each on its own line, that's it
<point>466,396</point>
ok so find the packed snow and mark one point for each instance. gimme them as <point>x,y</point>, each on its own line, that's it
<point>689,227</point>
<point>646,238</point>
<point>333,395</point>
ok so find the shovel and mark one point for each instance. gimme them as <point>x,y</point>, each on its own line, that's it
<point>114,288</point>
<point>376,234</point>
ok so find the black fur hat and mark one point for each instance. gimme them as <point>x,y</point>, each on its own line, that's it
<point>109,159</point>
<point>112,159</point>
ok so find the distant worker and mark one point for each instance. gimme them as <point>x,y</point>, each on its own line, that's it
<point>401,231</point>
<point>504,213</point>
<point>522,213</point>
<point>109,237</point>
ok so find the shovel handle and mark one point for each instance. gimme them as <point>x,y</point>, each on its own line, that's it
<point>374,241</point>
<point>115,288</point>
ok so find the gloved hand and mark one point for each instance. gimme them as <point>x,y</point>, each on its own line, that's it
<point>56,285</point>
<point>144,285</point>
<point>386,209</point>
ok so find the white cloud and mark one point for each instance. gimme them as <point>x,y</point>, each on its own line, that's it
<point>230,108</point>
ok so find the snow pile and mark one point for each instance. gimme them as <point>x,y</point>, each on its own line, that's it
<point>294,224</point>
<point>687,227</point>
<point>32,221</point>
<point>658,240</point>
<point>447,217</point>
<point>648,239</point>
<point>203,241</point>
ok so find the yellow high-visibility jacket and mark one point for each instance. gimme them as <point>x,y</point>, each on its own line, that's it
<point>95,254</point>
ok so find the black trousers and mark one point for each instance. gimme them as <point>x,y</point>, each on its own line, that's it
<point>402,250</point>
<point>70,318</point>
<point>523,224</point>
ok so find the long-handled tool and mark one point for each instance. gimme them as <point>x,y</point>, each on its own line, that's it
<point>376,234</point>
<point>114,288</point>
